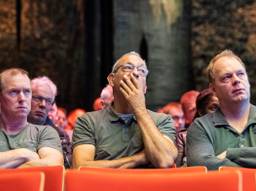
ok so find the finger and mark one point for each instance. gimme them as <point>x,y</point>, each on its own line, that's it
<point>125,87</point>
<point>125,94</point>
<point>134,80</point>
<point>130,83</point>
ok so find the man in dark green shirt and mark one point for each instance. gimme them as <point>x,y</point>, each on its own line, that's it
<point>227,136</point>
<point>126,135</point>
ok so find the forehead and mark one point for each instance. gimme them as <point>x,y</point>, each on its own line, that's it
<point>133,59</point>
<point>227,65</point>
<point>42,89</point>
<point>175,111</point>
<point>15,81</point>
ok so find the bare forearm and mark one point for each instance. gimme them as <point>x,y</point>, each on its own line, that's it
<point>43,162</point>
<point>125,162</point>
<point>14,163</point>
<point>160,151</point>
<point>13,158</point>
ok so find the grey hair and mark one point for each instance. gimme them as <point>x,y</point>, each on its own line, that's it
<point>44,80</point>
<point>126,54</point>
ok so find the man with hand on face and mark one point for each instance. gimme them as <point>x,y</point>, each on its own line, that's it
<point>226,137</point>
<point>23,144</point>
<point>126,134</point>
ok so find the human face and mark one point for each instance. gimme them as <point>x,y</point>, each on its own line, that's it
<point>178,118</point>
<point>15,97</point>
<point>231,83</point>
<point>129,65</point>
<point>41,104</point>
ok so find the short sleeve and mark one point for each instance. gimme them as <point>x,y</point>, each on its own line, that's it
<point>49,137</point>
<point>83,131</point>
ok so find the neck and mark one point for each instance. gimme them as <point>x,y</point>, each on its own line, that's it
<point>236,111</point>
<point>120,105</point>
<point>13,126</point>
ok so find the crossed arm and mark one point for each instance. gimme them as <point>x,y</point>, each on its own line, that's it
<point>159,150</point>
<point>47,156</point>
<point>83,155</point>
<point>200,150</point>
<point>23,157</point>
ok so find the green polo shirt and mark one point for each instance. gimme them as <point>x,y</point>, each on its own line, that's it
<point>210,135</point>
<point>113,136</point>
<point>32,137</point>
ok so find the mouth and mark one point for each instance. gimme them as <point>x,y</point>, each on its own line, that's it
<point>40,114</point>
<point>21,108</point>
<point>238,91</point>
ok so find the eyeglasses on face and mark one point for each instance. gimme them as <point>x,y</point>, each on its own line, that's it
<point>40,99</point>
<point>141,69</point>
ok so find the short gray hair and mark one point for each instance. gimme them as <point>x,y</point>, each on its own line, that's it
<point>44,80</point>
<point>126,54</point>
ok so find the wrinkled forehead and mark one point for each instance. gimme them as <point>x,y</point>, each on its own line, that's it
<point>132,59</point>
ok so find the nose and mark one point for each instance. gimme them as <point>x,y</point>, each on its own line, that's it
<point>235,79</point>
<point>43,103</point>
<point>135,73</point>
<point>21,96</point>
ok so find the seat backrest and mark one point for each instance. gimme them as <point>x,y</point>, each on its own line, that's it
<point>106,181</point>
<point>248,175</point>
<point>27,181</point>
<point>142,171</point>
<point>54,176</point>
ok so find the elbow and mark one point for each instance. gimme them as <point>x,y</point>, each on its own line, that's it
<point>165,163</point>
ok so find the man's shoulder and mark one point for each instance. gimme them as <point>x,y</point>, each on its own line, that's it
<point>95,114</point>
<point>156,115</point>
<point>39,128</point>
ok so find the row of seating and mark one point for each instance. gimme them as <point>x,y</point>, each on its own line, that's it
<point>55,178</point>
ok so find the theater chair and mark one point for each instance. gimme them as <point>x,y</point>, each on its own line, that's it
<point>155,170</point>
<point>54,175</point>
<point>25,181</point>
<point>195,181</point>
<point>248,175</point>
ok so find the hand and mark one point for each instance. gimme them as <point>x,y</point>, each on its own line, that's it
<point>222,155</point>
<point>27,154</point>
<point>132,88</point>
<point>138,160</point>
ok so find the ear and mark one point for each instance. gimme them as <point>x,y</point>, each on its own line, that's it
<point>110,79</point>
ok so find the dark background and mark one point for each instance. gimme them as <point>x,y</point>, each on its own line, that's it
<point>76,42</point>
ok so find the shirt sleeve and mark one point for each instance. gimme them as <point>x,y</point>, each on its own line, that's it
<point>49,138</point>
<point>200,150</point>
<point>165,126</point>
<point>245,156</point>
<point>83,133</point>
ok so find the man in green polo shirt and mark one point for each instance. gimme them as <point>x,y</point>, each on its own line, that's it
<point>226,137</point>
<point>23,144</point>
<point>126,134</point>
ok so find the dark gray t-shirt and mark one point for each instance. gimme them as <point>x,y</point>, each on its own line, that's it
<point>116,136</point>
<point>32,137</point>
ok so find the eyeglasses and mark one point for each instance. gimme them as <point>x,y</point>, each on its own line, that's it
<point>40,99</point>
<point>142,70</point>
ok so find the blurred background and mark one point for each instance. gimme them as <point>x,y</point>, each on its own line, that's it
<point>76,42</point>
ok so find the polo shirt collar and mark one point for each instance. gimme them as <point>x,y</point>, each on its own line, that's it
<point>219,119</point>
<point>115,117</point>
